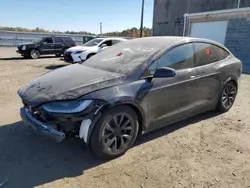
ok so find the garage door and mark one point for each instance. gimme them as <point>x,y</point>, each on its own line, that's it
<point>210,30</point>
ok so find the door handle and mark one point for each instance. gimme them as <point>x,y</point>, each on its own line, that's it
<point>52,45</point>
<point>197,74</point>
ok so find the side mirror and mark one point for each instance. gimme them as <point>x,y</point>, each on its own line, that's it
<point>164,72</point>
<point>104,45</point>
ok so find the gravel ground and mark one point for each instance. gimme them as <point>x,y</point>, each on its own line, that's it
<point>209,150</point>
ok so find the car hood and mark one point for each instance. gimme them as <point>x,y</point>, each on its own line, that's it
<point>27,43</point>
<point>76,48</point>
<point>68,83</point>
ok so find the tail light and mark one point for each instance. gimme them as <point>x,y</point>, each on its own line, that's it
<point>75,44</point>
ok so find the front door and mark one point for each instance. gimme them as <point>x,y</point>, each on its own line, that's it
<point>166,100</point>
<point>47,46</point>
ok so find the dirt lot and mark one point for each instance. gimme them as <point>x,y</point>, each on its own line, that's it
<point>209,150</point>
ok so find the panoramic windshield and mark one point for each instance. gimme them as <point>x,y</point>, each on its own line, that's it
<point>123,58</point>
<point>37,40</point>
<point>93,42</point>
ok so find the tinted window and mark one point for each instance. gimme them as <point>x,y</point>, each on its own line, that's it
<point>108,42</point>
<point>48,40</point>
<point>180,57</point>
<point>68,40</point>
<point>223,53</point>
<point>207,53</point>
<point>115,41</point>
<point>58,39</point>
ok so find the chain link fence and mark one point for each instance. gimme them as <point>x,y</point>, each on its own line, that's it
<point>12,38</point>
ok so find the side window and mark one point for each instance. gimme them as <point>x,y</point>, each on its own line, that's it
<point>180,57</point>
<point>58,40</point>
<point>108,42</point>
<point>223,53</point>
<point>48,40</point>
<point>206,53</point>
<point>115,41</point>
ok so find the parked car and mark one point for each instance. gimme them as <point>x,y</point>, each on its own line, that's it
<point>45,46</point>
<point>81,53</point>
<point>130,89</point>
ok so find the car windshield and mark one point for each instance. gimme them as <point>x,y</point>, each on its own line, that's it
<point>37,40</point>
<point>93,42</point>
<point>123,58</point>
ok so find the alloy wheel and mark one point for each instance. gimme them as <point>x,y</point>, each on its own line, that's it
<point>34,54</point>
<point>228,95</point>
<point>118,133</point>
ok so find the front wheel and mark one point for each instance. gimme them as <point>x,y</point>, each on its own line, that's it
<point>227,97</point>
<point>34,53</point>
<point>115,132</point>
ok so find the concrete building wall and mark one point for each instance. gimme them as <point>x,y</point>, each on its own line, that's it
<point>238,40</point>
<point>237,34</point>
<point>168,14</point>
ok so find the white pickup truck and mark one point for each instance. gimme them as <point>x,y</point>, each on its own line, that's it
<point>81,53</point>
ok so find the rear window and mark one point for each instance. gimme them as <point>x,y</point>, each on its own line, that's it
<point>115,41</point>
<point>68,40</point>
<point>206,53</point>
<point>58,39</point>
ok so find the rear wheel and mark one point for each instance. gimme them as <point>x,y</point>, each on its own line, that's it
<point>115,132</point>
<point>34,53</point>
<point>227,97</point>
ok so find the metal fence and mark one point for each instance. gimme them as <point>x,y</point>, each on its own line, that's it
<point>12,38</point>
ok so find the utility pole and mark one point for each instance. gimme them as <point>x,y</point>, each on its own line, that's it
<point>238,4</point>
<point>100,28</point>
<point>142,13</point>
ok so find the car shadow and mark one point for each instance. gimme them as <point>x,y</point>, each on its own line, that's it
<point>28,160</point>
<point>22,58</point>
<point>53,67</point>
<point>174,127</point>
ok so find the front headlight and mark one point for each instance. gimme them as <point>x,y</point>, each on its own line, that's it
<point>24,47</point>
<point>66,107</point>
<point>80,51</point>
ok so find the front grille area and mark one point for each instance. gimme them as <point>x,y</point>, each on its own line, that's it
<point>19,48</point>
<point>67,56</point>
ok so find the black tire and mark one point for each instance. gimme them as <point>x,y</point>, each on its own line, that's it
<point>90,55</point>
<point>227,97</point>
<point>26,56</point>
<point>106,131</point>
<point>58,55</point>
<point>34,53</point>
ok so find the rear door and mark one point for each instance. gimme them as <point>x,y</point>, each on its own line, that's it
<point>47,46</point>
<point>205,75</point>
<point>58,41</point>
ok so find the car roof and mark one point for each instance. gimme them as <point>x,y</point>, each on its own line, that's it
<point>111,38</point>
<point>168,41</point>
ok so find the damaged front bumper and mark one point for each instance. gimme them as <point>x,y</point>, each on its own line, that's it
<point>40,127</point>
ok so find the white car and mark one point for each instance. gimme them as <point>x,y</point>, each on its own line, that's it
<point>92,47</point>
